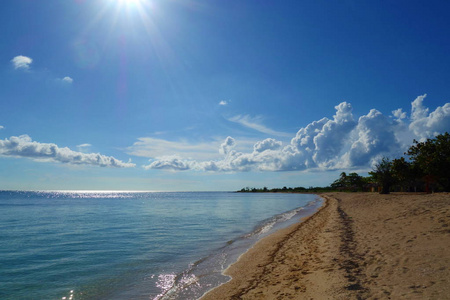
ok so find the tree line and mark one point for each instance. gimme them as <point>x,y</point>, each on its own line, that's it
<point>426,169</point>
<point>299,189</point>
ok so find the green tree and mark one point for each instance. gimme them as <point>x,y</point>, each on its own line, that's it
<point>432,157</point>
<point>402,173</point>
<point>351,181</point>
<point>341,182</point>
<point>382,174</point>
<point>354,181</point>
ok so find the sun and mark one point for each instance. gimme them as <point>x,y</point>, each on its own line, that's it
<point>132,6</point>
<point>127,14</point>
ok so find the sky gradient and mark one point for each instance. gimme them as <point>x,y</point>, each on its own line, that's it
<point>215,95</point>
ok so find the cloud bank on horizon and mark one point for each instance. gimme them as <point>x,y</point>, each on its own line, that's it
<point>327,144</point>
<point>24,146</point>
<point>342,142</point>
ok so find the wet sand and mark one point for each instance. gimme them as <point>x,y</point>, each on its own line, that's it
<point>358,246</point>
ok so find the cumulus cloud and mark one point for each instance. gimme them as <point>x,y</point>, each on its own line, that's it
<point>67,79</point>
<point>425,124</point>
<point>399,114</point>
<point>340,142</point>
<point>375,138</point>
<point>332,136</point>
<point>171,163</point>
<point>227,145</point>
<point>267,144</point>
<point>21,62</point>
<point>223,102</point>
<point>1,127</point>
<point>24,146</point>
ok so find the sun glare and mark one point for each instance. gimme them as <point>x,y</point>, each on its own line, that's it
<point>130,2</point>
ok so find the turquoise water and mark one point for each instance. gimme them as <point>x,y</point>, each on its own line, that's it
<point>131,245</point>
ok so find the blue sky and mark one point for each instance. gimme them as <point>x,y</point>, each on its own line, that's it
<point>215,95</point>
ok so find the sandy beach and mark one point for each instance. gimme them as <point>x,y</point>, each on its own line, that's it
<point>358,246</point>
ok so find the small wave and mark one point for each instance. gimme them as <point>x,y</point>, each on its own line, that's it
<point>270,223</point>
<point>171,285</point>
<point>192,281</point>
<point>314,202</point>
<point>199,262</point>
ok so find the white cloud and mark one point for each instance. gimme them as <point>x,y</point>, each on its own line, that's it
<point>223,103</point>
<point>255,123</point>
<point>24,62</point>
<point>399,114</point>
<point>326,144</point>
<point>267,144</point>
<point>84,145</point>
<point>227,145</point>
<point>425,124</point>
<point>418,111</point>
<point>23,146</point>
<point>21,62</point>
<point>375,138</point>
<point>67,79</point>
<point>152,147</point>
<point>175,163</point>
<point>332,136</point>
<point>2,127</point>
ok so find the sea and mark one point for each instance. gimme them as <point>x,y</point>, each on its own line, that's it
<point>132,245</point>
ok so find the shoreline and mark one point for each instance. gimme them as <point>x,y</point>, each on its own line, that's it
<point>356,246</point>
<point>270,243</point>
<point>302,216</point>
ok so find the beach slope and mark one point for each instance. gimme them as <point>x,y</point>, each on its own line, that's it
<point>358,246</point>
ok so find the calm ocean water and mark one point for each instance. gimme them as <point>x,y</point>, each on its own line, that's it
<point>131,245</point>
